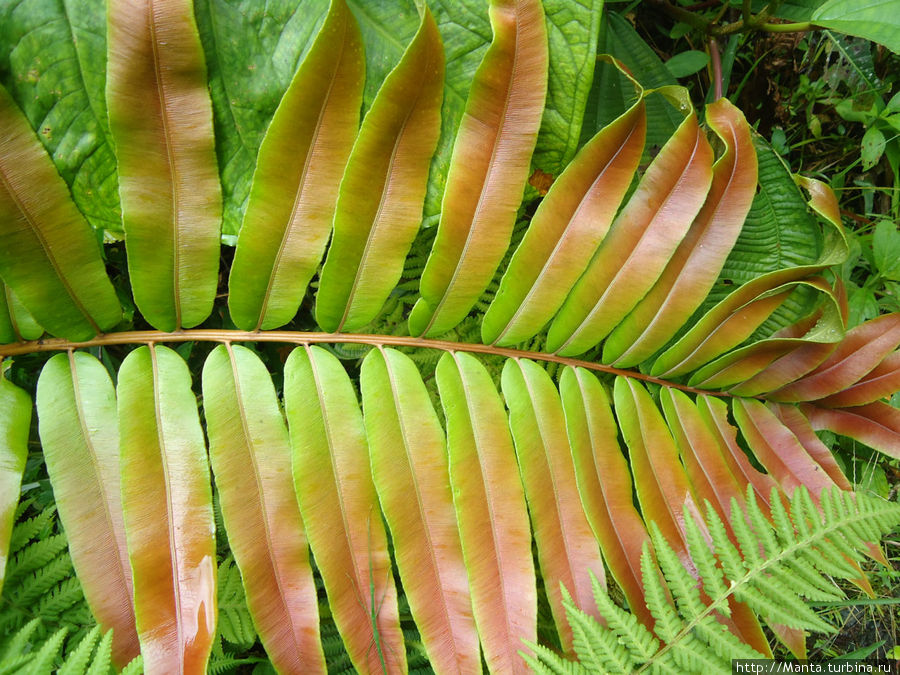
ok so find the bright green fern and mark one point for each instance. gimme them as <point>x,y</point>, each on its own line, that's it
<point>774,568</point>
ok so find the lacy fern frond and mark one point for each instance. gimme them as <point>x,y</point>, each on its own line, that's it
<point>234,624</point>
<point>775,569</point>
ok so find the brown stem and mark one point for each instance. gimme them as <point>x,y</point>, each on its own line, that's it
<point>716,68</point>
<point>150,337</point>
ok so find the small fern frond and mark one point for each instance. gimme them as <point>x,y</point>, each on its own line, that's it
<point>235,624</point>
<point>102,656</point>
<point>76,663</point>
<point>772,571</point>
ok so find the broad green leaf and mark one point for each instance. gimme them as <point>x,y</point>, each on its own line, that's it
<point>572,30</point>
<point>604,482</point>
<point>333,482</point>
<point>250,453</point>
<point>641,240</point>
<point>610,94</point>
<point>167,502</point>
<point>76,405</point>
<point>875,20</point>
<point>697,261</point>
<point>491,511</point>
<point>16,322</point>
<point>409,467</point>
<point>252,50</point>
<point>62,48</point>
<point>50,257</point>
<point>298,173</point>
<point>567,228</point>
<point>386,28</point>
<point>8,332</point>
<point>886,249</point>
<point>871,147</point>
<point>491,160</point>
<point>379,207</point>
<point>875,424</point>
<point>687,63</point>
<point>160,116</point>
<point>15,423</point>
<point>566,547</point>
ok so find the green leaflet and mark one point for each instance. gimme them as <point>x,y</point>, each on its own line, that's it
<point>409,468</point>
<point>737,317</point>
<point>572,29</point>
<point>76,406</point>
<point>604,482</point>
<point>50,257</point>
<point>16,322</point>
<point>696,263</point>
<point>491,159</point>
<point>160,116</point>
<point>486,491</point>
<point>876,20</point>
<point>566,546</point>
<point>379,207</point>
<point>167,502</point>
<point>15,422</point>
<point>250,453</point>
<point>466,34</point>
<point>62,47</point>
<point>252,50</point>
<point>333,481</point>
<point>298,173</point>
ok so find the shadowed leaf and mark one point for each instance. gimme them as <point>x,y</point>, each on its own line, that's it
<point>50,257</point>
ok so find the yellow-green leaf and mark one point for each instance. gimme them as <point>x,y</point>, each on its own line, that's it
<point>76,405</point>
<point>167,504</point>
<point>160,117</point>
<point>298,173</point>
<point>250,453</point>
<point>50,257</point>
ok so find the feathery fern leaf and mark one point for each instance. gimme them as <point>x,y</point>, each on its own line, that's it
<point>689,636</point>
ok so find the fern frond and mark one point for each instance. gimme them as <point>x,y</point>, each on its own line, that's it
<point>235,623</point>
<point>77,661</point>
<point>761,573</point>
<point>102,656</point>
